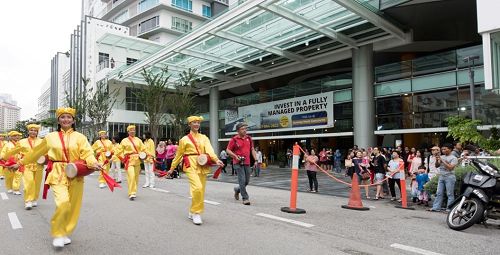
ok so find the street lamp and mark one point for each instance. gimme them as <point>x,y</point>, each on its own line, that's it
<point>470,60</point>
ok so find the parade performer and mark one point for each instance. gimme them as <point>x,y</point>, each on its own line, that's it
<point>63,147</point>
<point>101,147</point>
<point>11,152</point>
<point>130,148</point>
<point>149,148</point>
<point>33,173</point>
<point>191,146</point>
<point>2,142</point>
<point>116,168</point>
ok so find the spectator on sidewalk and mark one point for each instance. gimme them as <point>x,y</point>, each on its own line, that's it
<point>416,162</point>
<point>337,158</point>
<point>323,160</point>
<point>360,168</point>
<point>312,169</point>
<point>223,158</point>
<point>379,166</point>
<point>422,179</point>
<point>446,164</point>
<point>395,166</point>
<point>430,162</point>
<point>457,150</point>
<point>258,163</point>
<point>161,154</point>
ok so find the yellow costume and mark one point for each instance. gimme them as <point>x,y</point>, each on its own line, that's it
<point>149,148</point>
<point>12,177</point>
<point>68,193</point>
<point>115,168</point>
<point>133,166</point>
<point>33,173</point>
<point>100,148</point>
<point>196,174</point>
<point>2,142</point>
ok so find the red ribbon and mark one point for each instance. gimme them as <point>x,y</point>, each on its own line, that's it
<point>217,173</point>
<point>110,181</point>
<point>46,186</point>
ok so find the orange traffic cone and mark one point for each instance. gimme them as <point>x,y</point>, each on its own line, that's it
<point>355,196</point>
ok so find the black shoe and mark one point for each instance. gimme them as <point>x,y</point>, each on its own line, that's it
<point>246,202</point>
<point>236,195</point>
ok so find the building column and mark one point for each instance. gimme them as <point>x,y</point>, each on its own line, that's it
<point>214,117</point>
<point>362,96</point>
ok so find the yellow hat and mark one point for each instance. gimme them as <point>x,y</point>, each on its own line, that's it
<point>130,127</point>
<point>63,110</point>
<point>194,118</point>
<point>3,134</point>
<point>102,132</point>
<point>14,132</point>
<point>35,126</point>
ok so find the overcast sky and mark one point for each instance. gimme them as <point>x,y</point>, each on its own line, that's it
<point>32,32</point>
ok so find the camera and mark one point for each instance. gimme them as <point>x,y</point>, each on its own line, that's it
<point>242,160</point>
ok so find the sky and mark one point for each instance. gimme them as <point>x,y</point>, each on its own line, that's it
<point>33,31</point>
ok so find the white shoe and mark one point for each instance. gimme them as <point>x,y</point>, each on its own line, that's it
<point>145,185</point>
<point>34,203</point>
<point>197,219</point>
<point>190,216</point>
<point>132,197</point>
<point>102,185</point>
<point>58,242</point>
<point>9,191</point>
<point>152,186</point>
<point>28,205</point>
<point>1,177</point>
<point>66,240</point>
<point>17,193</point>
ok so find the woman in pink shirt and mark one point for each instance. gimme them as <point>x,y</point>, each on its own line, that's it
<point>311,168</point>
<point>161,153</point>
<point>170,153</point>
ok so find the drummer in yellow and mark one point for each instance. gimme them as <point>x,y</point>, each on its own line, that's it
<point>2,142</point>
<point>130,149</point>
<point>187,152</point>
<point>12,149</point>
<point>101,147</point>
<point>33,173</point>
<point>64,146</point>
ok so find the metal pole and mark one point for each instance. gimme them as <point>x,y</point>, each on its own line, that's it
<point>471,88</point>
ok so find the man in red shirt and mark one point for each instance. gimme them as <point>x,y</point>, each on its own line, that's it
<point>239,148</point>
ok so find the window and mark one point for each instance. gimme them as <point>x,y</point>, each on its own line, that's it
<point>183,4</point>
<point>181,25</point>
<point>131,100</point>
<point>131,61</point>
<point>121,17</point>
<point>149,24</point>
<point>103,61</point>
<point>145,5</point>
<point>207,11</point>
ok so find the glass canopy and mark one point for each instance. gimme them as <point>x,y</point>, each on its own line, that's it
<point>256,37</point>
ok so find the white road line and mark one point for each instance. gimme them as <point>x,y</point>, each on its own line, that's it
<point>14,221</point>
<point>160,190</point>
<point>4,196</point>
<point>414,249</point>
<point>300,223</point>
<point>212,202</point>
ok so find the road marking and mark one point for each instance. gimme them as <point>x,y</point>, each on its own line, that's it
<point>14,221</point>
<point>208,201</point>
<point>414,249</point>
<point>160,190</point>
<point>300,223</point>
<point>4,196</point>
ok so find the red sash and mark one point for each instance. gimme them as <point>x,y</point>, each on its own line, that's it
<point>50,164</point>
<point>127,157</point>
<point>197,150</point>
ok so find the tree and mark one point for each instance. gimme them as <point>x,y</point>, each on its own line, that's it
<point>21,126</point>
<point>79,103</point>
<point>464,129</point>
<point>183,101</point>
<point>99,106</point>
<point>154,98</point>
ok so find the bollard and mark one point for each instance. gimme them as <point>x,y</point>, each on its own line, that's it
<point>402,181</point>
<point>294,184</point>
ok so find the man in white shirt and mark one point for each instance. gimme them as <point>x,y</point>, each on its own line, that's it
<point>259,162</point>
<point>223,158</point>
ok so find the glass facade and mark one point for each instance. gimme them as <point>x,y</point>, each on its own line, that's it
<point>186,5</point>
<point>207,11</point>
<point>182,25</point>
<point>132,103</point>
<point>146,5</point>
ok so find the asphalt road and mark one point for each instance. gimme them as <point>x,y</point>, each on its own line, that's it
<point>156,223</point>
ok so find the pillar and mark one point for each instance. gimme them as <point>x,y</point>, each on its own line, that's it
<point>214,118</point>
<point>362,96</point>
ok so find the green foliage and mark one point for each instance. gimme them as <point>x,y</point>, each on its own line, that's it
<point>79,103</point>
<point>182,101</point>
<point>460,172</point>
<point>464,130</point>
<point>21,126</point>
<point>99,106</point>
<point>154,97</point>
<point>493,142</point>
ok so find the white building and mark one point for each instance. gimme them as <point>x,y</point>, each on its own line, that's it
<point>10,113</point>
<point>44,102</point>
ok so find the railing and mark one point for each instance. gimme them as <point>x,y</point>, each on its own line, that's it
<point>149,25</point>
<point>146,5</point>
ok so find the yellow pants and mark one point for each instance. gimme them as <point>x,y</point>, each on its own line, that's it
<point>68,203</point>
<point>133,178</point>
<point>1,172</point>
<point>197,184</point>
<point>32,183</point>
<point>106,169</point>
<point>13,180</point>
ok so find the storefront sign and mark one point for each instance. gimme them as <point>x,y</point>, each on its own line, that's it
<point>299,113</point>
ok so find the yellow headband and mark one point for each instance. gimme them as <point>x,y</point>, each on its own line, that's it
<point>130,127</point>
<point>14,132</point>
<point>194,118</point>
<point>63,110</point>
<point>102,132</point>
<point>35,126</point>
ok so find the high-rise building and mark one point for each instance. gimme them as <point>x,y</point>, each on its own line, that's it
<point>10,113</point>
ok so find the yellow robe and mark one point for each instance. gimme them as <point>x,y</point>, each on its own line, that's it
<point>149,148</point>
<point>12,178</point>
<point>67,192</point>
<point>116,153</point>
<point>2,142</point>
<point>33,173</point>
<point>134,163</point>
<point>197,174</point>
<point>100,147</point>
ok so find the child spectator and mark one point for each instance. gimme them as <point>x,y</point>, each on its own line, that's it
<point>422,179</point>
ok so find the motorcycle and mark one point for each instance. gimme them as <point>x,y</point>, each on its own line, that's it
<point>479,199</point>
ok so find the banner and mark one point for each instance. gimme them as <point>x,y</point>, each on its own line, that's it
<point>298,113</point>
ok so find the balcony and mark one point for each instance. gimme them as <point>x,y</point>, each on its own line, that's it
<point>112,8</point>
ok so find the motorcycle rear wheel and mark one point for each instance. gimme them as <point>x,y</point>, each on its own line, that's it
<point>473,211</point>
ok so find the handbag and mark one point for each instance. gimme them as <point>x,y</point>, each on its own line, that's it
<point>365,174</point>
